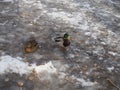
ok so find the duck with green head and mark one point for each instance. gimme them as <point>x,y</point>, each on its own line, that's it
<point>66,40</point>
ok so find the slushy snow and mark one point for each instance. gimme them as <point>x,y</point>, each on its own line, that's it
<point>10,64</point>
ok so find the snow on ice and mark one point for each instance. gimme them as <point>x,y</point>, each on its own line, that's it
<point>16,65</point>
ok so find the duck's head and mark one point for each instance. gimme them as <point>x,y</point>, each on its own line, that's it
<point>66,36</point>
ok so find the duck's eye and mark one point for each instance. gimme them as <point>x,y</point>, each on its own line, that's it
<point>35,44</point>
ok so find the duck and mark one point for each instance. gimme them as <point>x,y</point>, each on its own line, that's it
<point>31,46</point>
<point>66,40</point>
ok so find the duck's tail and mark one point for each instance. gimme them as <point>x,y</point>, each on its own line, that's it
<point>58,39</point>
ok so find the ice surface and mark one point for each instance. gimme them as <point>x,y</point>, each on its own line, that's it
<point>84,82</point>
<point>94,52</point>
<point>8,1</point>
<point>111,68</point>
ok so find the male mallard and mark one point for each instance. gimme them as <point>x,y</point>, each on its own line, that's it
<point>66,40</point>
<point>31,46</point>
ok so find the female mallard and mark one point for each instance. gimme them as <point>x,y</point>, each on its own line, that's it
<point>66,40</point>
<point>31,46</point>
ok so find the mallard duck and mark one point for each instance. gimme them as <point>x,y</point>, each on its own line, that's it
<point>31,46</point>
<point>65,39</point>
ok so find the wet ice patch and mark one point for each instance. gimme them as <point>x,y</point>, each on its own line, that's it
<point>68,3</point>
<point>83,82</point>
<point>28,1</point>
<point>71,56</point>
<point>75,19</point>
<point>114,1</point>
<point>110,68</point>
<point>72,19</point>
<point>112,53</point>
<point>8,1</point>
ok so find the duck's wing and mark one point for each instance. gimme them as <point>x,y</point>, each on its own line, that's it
<point>34,43</point>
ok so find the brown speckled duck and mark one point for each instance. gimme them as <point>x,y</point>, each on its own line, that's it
<point>31,46</point>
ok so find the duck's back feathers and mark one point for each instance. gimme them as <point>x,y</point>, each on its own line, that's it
<point>66,43</point>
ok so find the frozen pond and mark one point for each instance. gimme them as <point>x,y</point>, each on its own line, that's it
<point>91,62</point>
